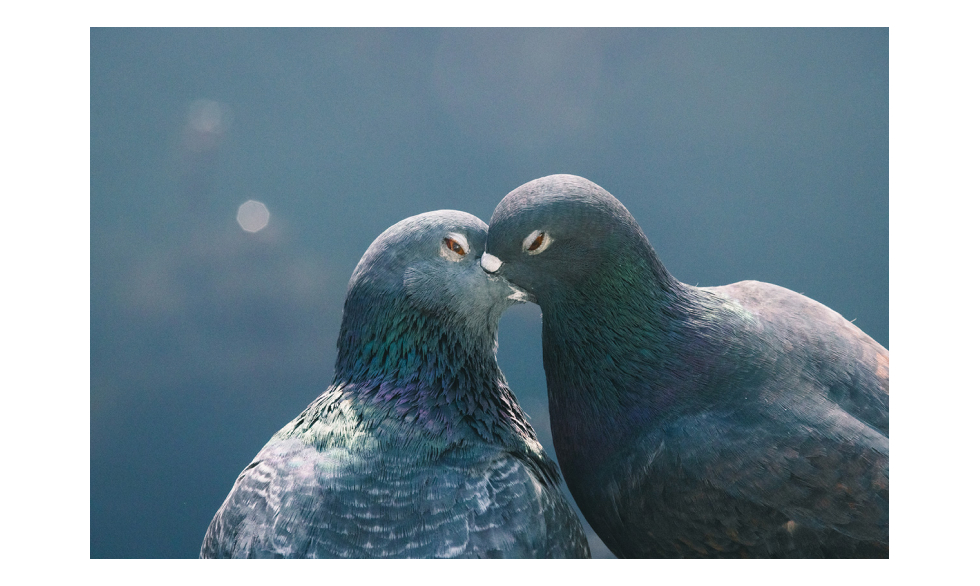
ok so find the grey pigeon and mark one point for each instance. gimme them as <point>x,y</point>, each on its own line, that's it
<point>737,421</point>
<point>418,448</point>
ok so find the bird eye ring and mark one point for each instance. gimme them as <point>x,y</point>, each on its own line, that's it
<point>454,247</point>
<point>536,242</point>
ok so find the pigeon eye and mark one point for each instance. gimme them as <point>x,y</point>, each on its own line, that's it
<point>455,246</point>
<point>536,242</point>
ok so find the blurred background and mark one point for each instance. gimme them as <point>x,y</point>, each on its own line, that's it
<point>237,175</point>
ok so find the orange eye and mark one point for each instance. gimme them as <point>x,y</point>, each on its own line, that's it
<point>537,242</point>
<point>454,246</point>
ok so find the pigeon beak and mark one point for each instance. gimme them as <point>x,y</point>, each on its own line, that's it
<point>490,263</point>
<point>520,295</point>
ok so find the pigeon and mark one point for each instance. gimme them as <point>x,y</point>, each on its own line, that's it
<point>743,420</point>
<point>418,449</point>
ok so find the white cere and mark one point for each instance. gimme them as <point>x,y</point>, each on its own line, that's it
<point>490,263</point>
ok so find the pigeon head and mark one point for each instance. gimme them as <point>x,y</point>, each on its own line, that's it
<point>421,281</point>
<point>563,233</point>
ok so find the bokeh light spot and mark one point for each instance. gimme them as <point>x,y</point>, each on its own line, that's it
<point>253,216</point>
<point>208,116</point>
<point>207,123</point>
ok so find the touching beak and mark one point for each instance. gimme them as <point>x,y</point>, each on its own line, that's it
<point>490,263</point>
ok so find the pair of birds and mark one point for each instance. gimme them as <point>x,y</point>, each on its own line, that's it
<point>735,421</point>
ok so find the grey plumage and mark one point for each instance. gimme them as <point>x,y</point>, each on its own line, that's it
<point>736,421</point>
<point>418,448</point>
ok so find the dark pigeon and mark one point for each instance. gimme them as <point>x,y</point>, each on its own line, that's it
<point>737,421</point>
<point>418,448</point>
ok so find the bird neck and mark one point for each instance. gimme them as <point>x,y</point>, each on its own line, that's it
<point>625,350</point>
<point>429,370</point>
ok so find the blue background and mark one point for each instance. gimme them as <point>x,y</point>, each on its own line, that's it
<point>743,153</point>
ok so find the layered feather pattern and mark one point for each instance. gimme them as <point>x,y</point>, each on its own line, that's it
<point>418,448</point>
<point>736,421</point>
